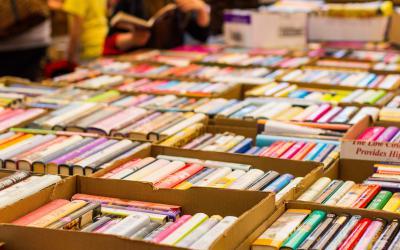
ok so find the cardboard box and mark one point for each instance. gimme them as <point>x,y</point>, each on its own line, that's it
<point>394,30</point>
<point>311,171</point>
<point>252,208</point>
<point>373,214</point>
<point>351,148</point>
<point>325,28</point>
<point>7,211</point>
<point>265,29</point>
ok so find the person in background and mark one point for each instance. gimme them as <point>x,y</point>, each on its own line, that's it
<point>87,28</point>
<point>192,16</point>
<point>23,54</point>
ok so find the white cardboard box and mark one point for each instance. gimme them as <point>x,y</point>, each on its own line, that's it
<point>323,28</point>
<point>264,29</point>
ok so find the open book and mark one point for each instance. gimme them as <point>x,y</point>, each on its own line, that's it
<point>126,21</point>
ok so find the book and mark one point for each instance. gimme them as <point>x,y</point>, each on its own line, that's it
<point>128,22</point>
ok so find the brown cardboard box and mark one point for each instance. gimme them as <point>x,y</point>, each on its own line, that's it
<point>372,214</point>
<point>252,208</point>
<point>311,171</point>
<point>26,203</point>
<point>394,30</point>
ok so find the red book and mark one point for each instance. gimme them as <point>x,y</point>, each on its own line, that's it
<point>40,212</point>
<point>355,235</point>
<point>176,178</point>
<point>367,196</point>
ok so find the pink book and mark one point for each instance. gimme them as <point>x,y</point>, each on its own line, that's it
<point>293,150</point>
<point>40,212</point>
<point>179,222</point>
<point>121,119</point>
<point>19,118</point>
<point>7,114</point>
<point>107,225</point>
<point>371,133</point>
<point>174,179</point>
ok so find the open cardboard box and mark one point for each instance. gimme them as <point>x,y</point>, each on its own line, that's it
<point>311,171</point>
<point>351,148</point>
<point>372,214</point>
<point>394,31</point>
<point>252,208</point>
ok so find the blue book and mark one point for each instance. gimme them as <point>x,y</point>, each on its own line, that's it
<point>315,151</point>
<point>242,147</point>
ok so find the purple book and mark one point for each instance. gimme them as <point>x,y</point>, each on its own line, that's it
<point>77,152</point>
<point>388,134</point>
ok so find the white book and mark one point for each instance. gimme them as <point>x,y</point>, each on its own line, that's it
<point>129,225</point>
<point>247,179</point>
<point>212,235</point>
<point>199,231</point>
<point>83,109</point>
<point>276,111</point>
<point>25,145</point>
<point>163,172</point>
<point>28,189</point>
<point>53,148</point>
<point>287,189</point>
<point>138,175</point>
<point>105,152</point>
<point>261,110</point>
<point>213,177</point>
<point>185,123</point>
<point>185,229</point>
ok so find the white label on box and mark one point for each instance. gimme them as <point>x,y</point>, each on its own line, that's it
<point>322,28</point>
<point>280,30</point>
<point>370,151</point>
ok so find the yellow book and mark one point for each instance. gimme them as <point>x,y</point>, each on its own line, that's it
<point>289,114</point>
<point>281,229</point>
<point>184,186</point>
<point>183,137</point>
<point>57,214</point>
<point>286,92</point>
<point>393,204</point>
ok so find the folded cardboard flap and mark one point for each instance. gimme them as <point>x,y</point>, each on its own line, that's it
<point>355,170</point>
<point>251,207</point>
<point>332,171</point>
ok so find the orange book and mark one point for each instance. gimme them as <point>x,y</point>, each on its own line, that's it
<point>11,138</point>
<point>304,151</point>
<point>15,141</point>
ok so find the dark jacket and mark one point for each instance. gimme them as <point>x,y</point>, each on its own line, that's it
<point>166,34</point>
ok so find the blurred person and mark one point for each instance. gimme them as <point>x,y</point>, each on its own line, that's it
<point>87,28</point>
<point>192,16</point>
<point>25,34</point>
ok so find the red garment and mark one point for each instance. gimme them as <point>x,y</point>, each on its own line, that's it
<point>110,46</point>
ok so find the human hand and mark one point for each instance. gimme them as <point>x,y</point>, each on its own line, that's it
<point>141,37</point>
<point>191,5</point>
